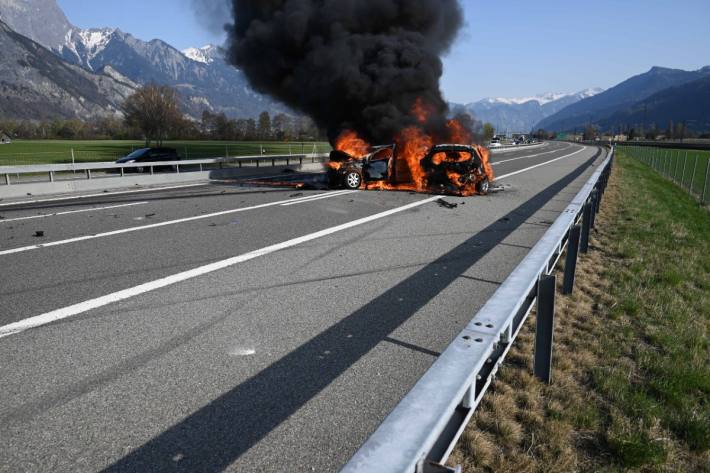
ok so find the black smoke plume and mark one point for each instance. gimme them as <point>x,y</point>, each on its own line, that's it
<point>349,64</point>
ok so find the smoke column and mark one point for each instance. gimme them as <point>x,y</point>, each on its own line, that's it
<point>349,64</point>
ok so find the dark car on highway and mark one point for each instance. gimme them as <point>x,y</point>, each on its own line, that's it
<point>150,155</point>
<point>440,163</point>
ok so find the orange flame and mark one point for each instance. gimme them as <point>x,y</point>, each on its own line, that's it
<point>350,142</point>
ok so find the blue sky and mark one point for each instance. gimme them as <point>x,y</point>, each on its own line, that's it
<point>509,48</point>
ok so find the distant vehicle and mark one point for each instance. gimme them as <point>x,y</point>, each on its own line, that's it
<point>495,144</point>
<point>379,165</point>
<point>150,155</point>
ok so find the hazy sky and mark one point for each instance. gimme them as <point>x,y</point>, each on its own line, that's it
<point>509,48</point>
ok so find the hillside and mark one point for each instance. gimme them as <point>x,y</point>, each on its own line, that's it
<point>36,84</point>
<point>688,103</point>
<point>619,98</point>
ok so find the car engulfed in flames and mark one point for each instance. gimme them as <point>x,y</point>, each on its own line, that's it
<point>452,169</point>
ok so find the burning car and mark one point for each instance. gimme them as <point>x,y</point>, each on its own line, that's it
<point>447,168</point>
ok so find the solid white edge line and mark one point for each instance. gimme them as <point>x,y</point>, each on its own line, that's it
<point>103,194</point>
<point>161,224</point>
<point>18,219</point>
<point>537,165</point>
<point>70,311</point>
<point>531,155</point>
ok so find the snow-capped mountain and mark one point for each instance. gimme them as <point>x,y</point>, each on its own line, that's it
<point>205,55</point>
<point>203,77</point>
<point>521,114</point>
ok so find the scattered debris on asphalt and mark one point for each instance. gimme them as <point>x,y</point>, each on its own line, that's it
<point>297,194</point>
<point>213,224</point>
<point>446,204</point>
<point>39,234</point>
<point>150,216</point>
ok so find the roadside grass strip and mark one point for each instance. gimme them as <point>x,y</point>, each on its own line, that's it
<point>631,362</point>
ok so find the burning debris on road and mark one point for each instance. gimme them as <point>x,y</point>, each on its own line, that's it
<point>366,71</point>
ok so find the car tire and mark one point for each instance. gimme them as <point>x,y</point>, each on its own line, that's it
<point>352,180</point>
<point>483,186</point>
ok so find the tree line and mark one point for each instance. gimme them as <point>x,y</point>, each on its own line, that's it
<point>152,114</point>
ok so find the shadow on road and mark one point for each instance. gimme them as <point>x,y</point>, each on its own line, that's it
<point>216,435</point>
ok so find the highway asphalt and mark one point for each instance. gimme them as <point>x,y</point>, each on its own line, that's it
<point>229,327</point>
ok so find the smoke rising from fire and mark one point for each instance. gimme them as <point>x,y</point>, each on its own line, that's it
<point>349,64</point>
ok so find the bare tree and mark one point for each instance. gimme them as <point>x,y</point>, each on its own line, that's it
<point>154,111</point>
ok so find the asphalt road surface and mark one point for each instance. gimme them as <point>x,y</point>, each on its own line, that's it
<point>238,328</point>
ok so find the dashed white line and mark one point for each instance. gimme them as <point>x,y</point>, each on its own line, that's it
<point>537,165</point>
<point>530,156</point>
<point>163,224</point>
<point>69,212</point>
<point>70,311</point>
<point>318,198</point>
<point>103,194</point>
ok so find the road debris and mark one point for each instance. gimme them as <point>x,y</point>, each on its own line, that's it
<point>446,204</point>
<point>39,234</point>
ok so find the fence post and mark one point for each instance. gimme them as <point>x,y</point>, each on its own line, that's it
<point>545,328</point>
<point>7,178</point>
<point>571,263</point>
<point>685,163</point>
<point>705,185</point>
<point>692,179</point>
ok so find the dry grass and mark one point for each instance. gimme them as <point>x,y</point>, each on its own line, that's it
<point>600,413</point>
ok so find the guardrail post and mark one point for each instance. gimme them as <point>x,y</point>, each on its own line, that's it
<point>273,163</point>
<point>201,167</point>
<point>571,263</point>
<point>177,169</point>
<point>123,172</point>
<point>151,170</point>
<point>586,227</point>
<point>300,161</point>
<point>594,206</point>
<point>7,179</point>
<point>88,173</point>
<point>545,328</point>
<point>51,176</point>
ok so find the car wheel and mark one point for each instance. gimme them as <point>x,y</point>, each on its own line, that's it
<point>353,180</point>
<point>483,186</point>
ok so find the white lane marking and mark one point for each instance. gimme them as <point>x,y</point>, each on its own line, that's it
<point>531,155</point>
<point>102,301</point>
<point>71,212</point>
<point>103,194</point>
<point>538,165</point>
<point>160,224</point>
<point>317,198</point>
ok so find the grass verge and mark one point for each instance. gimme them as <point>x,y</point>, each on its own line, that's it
<point>631,376</point>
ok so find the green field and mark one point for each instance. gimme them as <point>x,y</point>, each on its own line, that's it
<point>24,152</point>
<point>684,167</point>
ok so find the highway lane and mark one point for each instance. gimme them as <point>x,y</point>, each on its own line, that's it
<point>283,363</point>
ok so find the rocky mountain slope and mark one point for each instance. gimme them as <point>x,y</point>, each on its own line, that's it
<point>36,84</point>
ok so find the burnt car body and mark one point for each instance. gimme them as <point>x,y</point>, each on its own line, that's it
<point>443,162</point>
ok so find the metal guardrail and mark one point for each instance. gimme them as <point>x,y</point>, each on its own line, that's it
<point>420,433</point>
<point>149,167</point>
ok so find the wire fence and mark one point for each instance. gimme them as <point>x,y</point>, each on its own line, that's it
<point>20,154</point>
<point>687,168</point>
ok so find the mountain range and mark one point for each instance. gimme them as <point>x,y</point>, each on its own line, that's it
<point>50,68</point>
<point>203,77</point>
<point>521,114</point>
<point>651,98</point>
